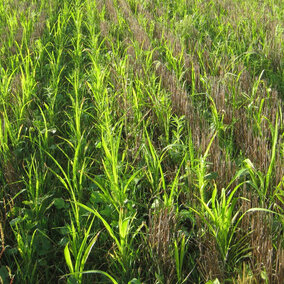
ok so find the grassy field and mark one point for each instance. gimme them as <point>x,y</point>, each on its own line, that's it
<point>141,141</point>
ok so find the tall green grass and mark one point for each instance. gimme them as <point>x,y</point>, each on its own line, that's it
<point>141,141</point>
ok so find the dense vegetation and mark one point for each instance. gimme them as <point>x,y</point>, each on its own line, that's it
<point>141,141</point>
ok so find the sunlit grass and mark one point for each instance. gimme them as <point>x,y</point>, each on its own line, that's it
<point>141,141</point>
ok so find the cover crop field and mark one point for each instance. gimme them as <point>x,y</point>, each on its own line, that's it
<point>141,141</point>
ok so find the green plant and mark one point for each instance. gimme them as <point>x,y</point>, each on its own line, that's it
<point>223,223</point>
<point>80,249</point>
<point>179,258</point>
<point>124,253</point>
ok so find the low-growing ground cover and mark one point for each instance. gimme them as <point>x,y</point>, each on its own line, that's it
<point>141,141</point>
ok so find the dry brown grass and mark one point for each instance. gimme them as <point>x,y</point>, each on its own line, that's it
<point>266,259</point>
<point>2,239</point>
<point>161,236</point>
<point>209,264</point>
